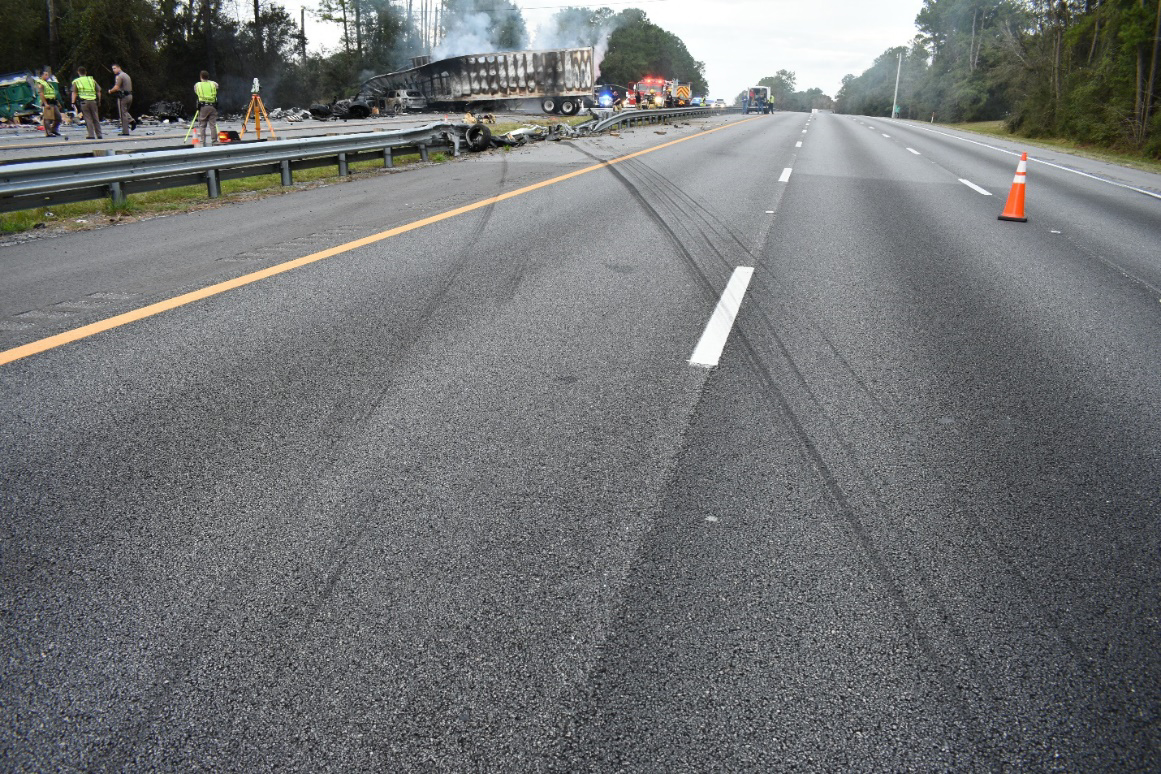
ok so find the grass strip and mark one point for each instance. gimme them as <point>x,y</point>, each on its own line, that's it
<point>77,215</point>
<point>999,129</point>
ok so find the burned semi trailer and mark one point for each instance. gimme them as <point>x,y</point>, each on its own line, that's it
<point>557,80</point>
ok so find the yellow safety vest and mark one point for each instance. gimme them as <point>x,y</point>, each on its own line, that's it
<point>49,88</point>
<point>86,87</point>
<point>207,91</point>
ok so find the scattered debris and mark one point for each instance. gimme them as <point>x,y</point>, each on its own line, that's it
<point>166,110</point>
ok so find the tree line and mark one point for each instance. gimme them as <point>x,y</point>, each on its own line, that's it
<point>164,44</point>
<point>1086,70</point>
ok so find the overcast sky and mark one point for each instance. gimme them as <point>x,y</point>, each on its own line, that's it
<point>741,41</point>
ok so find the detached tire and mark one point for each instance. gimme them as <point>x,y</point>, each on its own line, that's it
<point>479,137</point>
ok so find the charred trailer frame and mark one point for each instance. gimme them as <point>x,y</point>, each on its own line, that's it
<point>559,80</point>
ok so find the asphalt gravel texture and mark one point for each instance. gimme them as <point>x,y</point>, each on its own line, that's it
<point>454,500</point>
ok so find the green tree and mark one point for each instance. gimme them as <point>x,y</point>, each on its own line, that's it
<point>26,43</point>
<point>639,48</point>
<point>781,88</point>
<point>94,35</point>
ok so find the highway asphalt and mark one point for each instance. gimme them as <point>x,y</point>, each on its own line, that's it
<point>449,495</point>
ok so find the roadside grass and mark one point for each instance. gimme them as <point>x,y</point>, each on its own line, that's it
<point>999,129</point>
<point>81,215</point>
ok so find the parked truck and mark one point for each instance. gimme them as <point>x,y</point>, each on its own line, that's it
<point>557,80</point>
<point>757,100</point>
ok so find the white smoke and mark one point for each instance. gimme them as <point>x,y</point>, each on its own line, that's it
<point>472,35</point>
<point>558,32</point>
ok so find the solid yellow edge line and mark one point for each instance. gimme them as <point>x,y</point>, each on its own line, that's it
<point>83,332</point>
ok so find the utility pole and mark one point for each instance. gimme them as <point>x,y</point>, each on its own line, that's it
<point>895,99</point>
<point>258,30</point>
<point>52,43</point>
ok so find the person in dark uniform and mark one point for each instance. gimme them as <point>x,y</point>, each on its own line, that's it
<point>123,89</point>
<point>50,116</point>
<point>87,95</point>
<point>207,93</point>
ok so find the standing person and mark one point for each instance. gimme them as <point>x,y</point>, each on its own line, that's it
<point>87,94</point>
<point>207,92</point>
<point>50,116</point>
<point>123,88</point>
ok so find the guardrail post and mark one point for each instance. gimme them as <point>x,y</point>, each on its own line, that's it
<point>423,151</point>
<point>116,191</point>
<point>388,158</point>
<point>287,179</point>
<point>343,170</point>
<point>213,188</point>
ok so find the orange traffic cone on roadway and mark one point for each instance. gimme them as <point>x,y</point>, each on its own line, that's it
<point>1014,209</point>
<point>197,142</point>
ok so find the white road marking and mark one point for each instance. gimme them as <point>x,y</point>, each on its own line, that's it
<point>713,339</point>
<point>975,187</point>
<point>1045,163</point>
<point>785,178</point>
<point>798,144</point>
<point>887,136</point>
<point>917,153</point>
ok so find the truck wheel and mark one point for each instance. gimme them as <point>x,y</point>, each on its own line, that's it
<point>548,105</point>
<point>479,137</point>
<point>568,107</point>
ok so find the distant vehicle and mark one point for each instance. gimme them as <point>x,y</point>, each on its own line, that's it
<point>401,100</point>
<point>559,80</point>
<point>608,95</point>
<point>757,100</point>
<point>650,92</point>
<point>697,102</point>
<point>719,104</point>
<point>661,93</point>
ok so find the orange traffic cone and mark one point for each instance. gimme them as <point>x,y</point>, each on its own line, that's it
<point>197,142</point>
<point>1014,209</point>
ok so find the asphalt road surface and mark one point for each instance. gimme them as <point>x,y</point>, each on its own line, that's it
<point>414,473</point>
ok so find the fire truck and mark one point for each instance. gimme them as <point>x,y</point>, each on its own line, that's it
<point>654,92</point>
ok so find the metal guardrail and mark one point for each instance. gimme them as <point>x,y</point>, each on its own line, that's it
<point>46,183</point>
<point>26,186</point>
<point>649,116</point>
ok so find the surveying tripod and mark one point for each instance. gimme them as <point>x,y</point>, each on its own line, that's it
<point>258,110</point>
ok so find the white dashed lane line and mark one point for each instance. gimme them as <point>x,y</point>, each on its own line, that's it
<point>975,187</point>
<point>713,340</point>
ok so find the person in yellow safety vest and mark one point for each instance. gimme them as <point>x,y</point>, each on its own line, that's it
<point>50,113</point>
<point>87,95</point>
<point>207,93</point>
